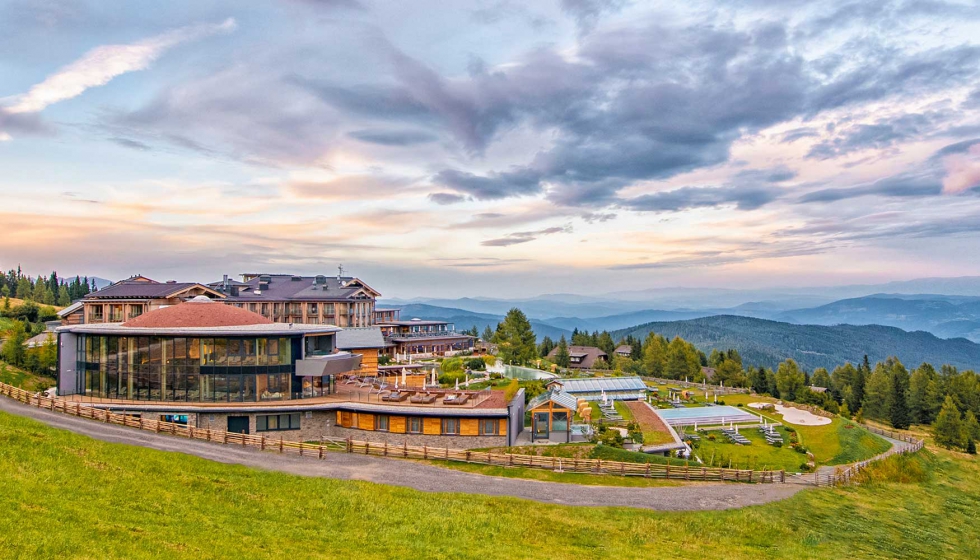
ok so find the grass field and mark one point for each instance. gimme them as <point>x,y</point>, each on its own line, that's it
<point>67,496</point>
<point>758,456</point>
<point>23,379</point>
<point>550,476</point>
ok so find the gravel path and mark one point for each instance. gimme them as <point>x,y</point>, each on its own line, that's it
<point>427,478</point>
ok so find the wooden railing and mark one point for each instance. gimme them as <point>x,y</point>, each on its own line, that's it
<point>404,451</point>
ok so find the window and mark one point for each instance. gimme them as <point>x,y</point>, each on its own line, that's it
<point>95,314</point>
<point>135,310</point>
<point>312,309</point>
<point>277,422</point>
<point>450,426</point>
<point>415,425</point>
<point>382,422</point>
<point>489,427</point>
<point>115,313</point>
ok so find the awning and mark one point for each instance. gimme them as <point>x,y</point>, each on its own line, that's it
<point>331,364</point>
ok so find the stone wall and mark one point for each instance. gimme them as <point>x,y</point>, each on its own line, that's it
<point>313,424</point>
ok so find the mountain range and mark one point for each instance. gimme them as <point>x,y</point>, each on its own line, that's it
<point>941,326</point>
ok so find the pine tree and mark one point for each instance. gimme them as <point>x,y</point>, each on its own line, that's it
<point>898,403</point>
<point>515,339</point>
<point>948,428</point>
<point>790,380</point>
<point>562,358</point>
<point>655,355</point>
<point>547,345</point>
<point>844,411</point>
<point>971,428</point>
<point>877,394</point>
<point>13,351</point>
<point>487,334</point>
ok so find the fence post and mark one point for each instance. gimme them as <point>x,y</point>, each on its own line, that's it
<point>280,444</point>
<point>350,446</point>
<point>321,452</point>
<point>262,443</point>
<point>425,452</point>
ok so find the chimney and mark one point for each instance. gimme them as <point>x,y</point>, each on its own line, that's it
<point>224,284</point>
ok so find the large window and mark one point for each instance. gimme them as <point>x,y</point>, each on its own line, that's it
<point>489,427</point>
<point>382,422</point>
<point>450,426</point>
<point>276,422</point>
<point>414,425</point>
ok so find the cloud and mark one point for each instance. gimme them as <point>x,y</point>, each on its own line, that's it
<point>598,217</point>
<point>393,137</point>
<point>493,186</point>
<point>588,12</point>
<point>902,185</point>
<point>962,171</point>
<point>881,134</point>
<point>446,198</point>
<point>743,198</point>
<point>132,144</point>
<point>525,236</point>
<point>101,64</point>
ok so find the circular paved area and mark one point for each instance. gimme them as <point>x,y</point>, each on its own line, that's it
<point>423,477</point>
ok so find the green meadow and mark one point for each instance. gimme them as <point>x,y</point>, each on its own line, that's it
<point>68,496</point>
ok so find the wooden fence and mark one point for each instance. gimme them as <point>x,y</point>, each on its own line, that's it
<point>404,451</point>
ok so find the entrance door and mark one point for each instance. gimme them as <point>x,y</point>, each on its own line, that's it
<point>238,424</point>
<point>541,425</point>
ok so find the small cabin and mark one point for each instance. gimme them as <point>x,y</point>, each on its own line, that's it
<point>551,415</point>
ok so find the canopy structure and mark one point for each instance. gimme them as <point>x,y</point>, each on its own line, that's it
<point>614,388</point>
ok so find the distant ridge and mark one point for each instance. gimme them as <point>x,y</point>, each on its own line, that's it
<point>767,343</point>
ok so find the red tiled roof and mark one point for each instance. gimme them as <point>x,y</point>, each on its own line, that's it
<point>197,314</point>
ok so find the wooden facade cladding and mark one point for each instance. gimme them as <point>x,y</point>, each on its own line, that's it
<point>369,361</point>
<point>431,425</point>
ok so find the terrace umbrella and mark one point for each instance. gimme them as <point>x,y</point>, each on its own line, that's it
<point>403,377</point>
<point>457,384</point>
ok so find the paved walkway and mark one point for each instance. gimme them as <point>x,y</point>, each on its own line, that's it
<point>427,478</point>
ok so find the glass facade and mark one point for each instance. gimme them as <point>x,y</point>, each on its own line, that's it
<point>166,368</point>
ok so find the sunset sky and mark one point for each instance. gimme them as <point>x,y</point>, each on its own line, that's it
<point>493,148</point>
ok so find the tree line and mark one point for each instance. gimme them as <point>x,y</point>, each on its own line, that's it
<point>946,398</point>
<point>50,290</point>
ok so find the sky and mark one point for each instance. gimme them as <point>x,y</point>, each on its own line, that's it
<point>493,148</point>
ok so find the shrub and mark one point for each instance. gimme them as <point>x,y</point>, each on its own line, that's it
<point>511,389</point>
<point>476,364</point>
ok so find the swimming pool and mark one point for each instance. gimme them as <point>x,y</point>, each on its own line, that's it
<point>705,415</point>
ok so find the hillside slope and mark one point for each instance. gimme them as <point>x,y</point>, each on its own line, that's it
<point>762,342</point>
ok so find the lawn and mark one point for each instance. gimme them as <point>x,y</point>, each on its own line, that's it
<point>25,380</point>
<point>70,496</point>
<point>758,456</point>
<point>831,444</point>
<point>551,476</point>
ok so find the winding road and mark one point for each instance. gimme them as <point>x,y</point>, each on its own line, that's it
<point>423,477</point>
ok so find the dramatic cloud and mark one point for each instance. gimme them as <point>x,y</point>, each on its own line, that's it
<point>101,64</point>
<point>493,186</point>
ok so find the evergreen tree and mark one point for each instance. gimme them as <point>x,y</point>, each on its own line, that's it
<point>790,380</point>
<point>605,343</point>
<point>515,339</point>
<point>64,299</point>
<point>655,355</point>
<point>844,411</point>
<point>487,334</point>
<point>821,378</point>
<point>877,394</point>
<point>757,380</point>
<point>547,345</point>
<point>948,428</point>
<point>923,386</point>
<point>13,350</point>
<point>899,414</point>
<point>971,428</point>
<point>562,358</point>
<point>678,365</point>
